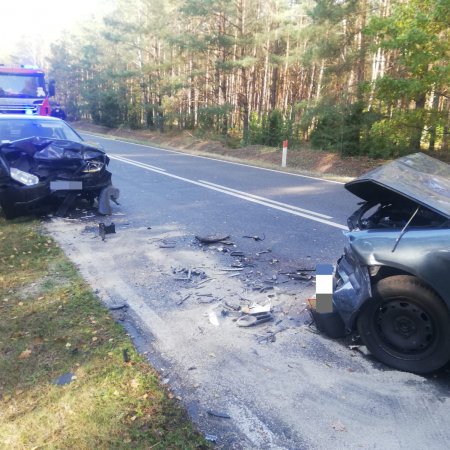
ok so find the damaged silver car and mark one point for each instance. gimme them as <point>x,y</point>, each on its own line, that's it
<point>46,166</point>
<point>392,284</point>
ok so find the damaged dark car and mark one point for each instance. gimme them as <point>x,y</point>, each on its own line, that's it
<point>46,166</point>
<point>392,285</point>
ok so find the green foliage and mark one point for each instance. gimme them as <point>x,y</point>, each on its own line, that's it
<point>387,138</point>
<point>212,117</point>
<point>300,70</point>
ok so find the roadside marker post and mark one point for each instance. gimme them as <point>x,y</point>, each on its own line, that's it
<point>284,155</point>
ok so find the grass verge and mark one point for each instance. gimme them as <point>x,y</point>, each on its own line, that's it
<point>52,324</point>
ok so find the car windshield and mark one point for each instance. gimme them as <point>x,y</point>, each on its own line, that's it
<point>18,128</point>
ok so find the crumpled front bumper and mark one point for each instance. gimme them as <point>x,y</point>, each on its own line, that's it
<point>32,198</point>
<point>352,287</point>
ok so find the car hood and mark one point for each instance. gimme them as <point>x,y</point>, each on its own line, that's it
<point>416,178</point>
<point>52,149</point>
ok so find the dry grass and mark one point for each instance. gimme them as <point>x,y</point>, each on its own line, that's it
<point>51,324</point>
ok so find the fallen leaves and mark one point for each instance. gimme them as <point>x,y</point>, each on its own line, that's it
<point>25,354</point>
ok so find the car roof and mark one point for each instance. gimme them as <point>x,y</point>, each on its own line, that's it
<point>28,117</point>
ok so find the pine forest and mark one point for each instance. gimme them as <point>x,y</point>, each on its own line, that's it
<point>359,77</point>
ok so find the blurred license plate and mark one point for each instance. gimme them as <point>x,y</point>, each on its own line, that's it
<point>63,185</point>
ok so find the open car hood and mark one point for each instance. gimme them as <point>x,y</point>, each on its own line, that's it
<point>416,178</point>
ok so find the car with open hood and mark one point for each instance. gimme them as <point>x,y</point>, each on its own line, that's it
<point>392,284</point>
<point>46,165</point>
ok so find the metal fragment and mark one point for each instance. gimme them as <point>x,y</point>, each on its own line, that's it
<point>218,414</point>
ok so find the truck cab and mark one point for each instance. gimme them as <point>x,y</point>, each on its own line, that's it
<point>23,90</point>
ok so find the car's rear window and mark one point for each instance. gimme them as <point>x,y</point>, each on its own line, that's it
<point>14,129</point>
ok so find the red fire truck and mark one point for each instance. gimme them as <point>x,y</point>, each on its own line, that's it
<point>23,90</point>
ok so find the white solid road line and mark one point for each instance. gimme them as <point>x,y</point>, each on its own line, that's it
<point>267,200</point>
<point>137,163</point>
<point>219,160</point>
<point>242,195</point>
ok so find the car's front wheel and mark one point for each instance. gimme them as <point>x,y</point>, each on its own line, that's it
<point>406,325</point>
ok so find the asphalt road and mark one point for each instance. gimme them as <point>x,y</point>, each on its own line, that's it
<point>278,385</point>
<point>300,216</point>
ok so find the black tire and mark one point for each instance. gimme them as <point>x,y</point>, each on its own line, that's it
<point>406,325</point>
<point>9,211</point>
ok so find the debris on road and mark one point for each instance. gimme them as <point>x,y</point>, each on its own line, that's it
<point>255,308</point>
<point>183,299</point>
<point>167,244</point>
<point>338,426</point>
<point>221,415</point>
<point>103,229</point>
<point>211,438</point>
<point>118,305</point>
<point>256,238</point>
<point>300,276</point>
<point>271,337</point>
<point>233,269</point>
<point>250,320</point>
<point>212,239</point>
<point>200,283</point>
<point>213,320</point>
<point>65,378</point>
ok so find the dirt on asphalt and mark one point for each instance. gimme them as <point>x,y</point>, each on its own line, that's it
<point>278,385</point>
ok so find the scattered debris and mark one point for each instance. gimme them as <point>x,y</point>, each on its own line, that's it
<point>213,318</point>
<point>167,244</point>
<point>255,308</point>
<point>126,356</point>
<point>212,239</point>
<point>263,251</point>
<point>106,229</point>
<point>338,426</point>
<point>234,307</point>
<point>211,438</point>
<point>234,275</point>
<point>256,238</point>
<point>300,276</point>
<point>250,320</point>
<point>204,281</point>
<point>188,273</point>
<point>271,336</point>
<point>234,269</point>
<point>265,289</point>
<point>218,414</point>
<point>183,299</point>
<point>65,378</point>
<point>237,254</point>
<point>115,306</point>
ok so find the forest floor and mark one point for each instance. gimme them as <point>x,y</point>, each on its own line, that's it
<point>304,160</point>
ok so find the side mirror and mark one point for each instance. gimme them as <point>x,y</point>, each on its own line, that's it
<point>51,88</point>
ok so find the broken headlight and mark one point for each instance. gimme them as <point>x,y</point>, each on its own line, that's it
<point>93,165</point>
<point>23,177</point>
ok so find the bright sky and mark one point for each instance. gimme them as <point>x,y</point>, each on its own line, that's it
<point>39,22</point>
